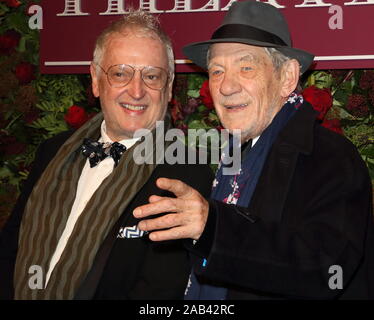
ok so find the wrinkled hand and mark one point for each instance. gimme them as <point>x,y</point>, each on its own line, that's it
<point>187,216</point>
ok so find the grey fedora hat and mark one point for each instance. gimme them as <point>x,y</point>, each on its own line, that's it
<point>254,23</point>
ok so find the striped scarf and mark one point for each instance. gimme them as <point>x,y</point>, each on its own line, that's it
<point>48,209</point>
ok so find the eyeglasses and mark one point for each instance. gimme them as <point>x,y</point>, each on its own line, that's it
<point>120,75</point>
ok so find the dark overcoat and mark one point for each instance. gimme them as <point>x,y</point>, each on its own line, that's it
<point>310,218</point>
<point>123,268</point>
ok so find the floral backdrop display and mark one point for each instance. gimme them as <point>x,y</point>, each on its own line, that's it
<point>35,107</point>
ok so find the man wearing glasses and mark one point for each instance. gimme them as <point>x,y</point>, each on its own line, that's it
<point>72,234</point>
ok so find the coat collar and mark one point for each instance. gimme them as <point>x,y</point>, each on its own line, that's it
<point>273,186</point>
<point>299,130</point>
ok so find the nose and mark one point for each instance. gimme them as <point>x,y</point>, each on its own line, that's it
<point>136,87</point>
<point>230,84</point>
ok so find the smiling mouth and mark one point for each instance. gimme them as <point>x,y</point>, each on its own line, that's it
<point>235,106</point>
<point>132,107</point>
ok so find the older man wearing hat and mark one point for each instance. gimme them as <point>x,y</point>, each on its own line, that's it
<point>296,221</point>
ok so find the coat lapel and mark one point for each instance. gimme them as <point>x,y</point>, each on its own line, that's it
<point>273,185</point>
<point>89,286</point>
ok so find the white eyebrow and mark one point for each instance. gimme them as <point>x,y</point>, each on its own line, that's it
<point>247,57</point>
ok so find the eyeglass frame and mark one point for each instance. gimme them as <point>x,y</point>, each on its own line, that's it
<point>135,69</point>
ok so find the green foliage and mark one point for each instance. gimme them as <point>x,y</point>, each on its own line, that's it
<point>31,110</point>
<point>63,90</point>
<point>353,105</point>
<point>34,111</point>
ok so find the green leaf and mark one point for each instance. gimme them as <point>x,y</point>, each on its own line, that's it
<point>22,45</point>
<point>343,114</point>
<point>17,21</point>
<point>368,152</point>
<point>5,172</point>
<point>195,80</point>
<point>193,93</point>
<point>322,79</point>
<point>3,8</point>
<point>198,124</point>
<point>213,116</point>
<point>201,108</point>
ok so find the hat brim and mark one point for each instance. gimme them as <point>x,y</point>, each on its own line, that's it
<point>197,52</point>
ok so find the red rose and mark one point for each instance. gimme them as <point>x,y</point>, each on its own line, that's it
<point>8,41</point>
<point>76,116</point>
<point>320,99</point>
<point>15,148</point>
<point>31,116</point>
<point>357,105</point>
<point>333,125</point>
<point>25,72</point>
<point>13,3</point>
<point>371,95</point>
<point>367,80</point>
<point>9,145</point>
<point>205,95</point>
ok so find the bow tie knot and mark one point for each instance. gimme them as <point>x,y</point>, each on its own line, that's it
<point>97,151</point>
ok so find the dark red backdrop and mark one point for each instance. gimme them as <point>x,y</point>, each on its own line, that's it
<point>67,40</point>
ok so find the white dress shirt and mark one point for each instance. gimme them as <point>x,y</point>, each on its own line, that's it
<point>89,181</point>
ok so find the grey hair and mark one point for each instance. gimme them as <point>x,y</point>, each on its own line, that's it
<point>141,21</point>
<point>277,57</point>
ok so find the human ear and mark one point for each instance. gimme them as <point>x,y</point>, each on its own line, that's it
<point>290,74</point>
<point>95,81</point>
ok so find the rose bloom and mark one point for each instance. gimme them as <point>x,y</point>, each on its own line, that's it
<point>8,41</point>
<point>371,95</point>
<point>333,125</point>
<point>31,116</point>
<point>367,80</point>
<point>320,99</point>
<point>12,3</point>
<point>24,72</point>
<point>205,95</point>
<point>9,145</point>
<point>357,105</point>
<point>76,116</point>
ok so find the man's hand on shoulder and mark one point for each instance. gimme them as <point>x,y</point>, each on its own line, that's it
<point>185,217</point>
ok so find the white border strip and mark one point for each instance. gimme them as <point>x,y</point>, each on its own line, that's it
<point>341,58</point>
<point>185,61</point>
<point>87,63</point>
<point>66,63</point>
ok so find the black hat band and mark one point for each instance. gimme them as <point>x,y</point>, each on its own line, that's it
<point>247,32</point>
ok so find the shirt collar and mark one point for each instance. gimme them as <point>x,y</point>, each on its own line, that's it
<point>254,140</point>
<point>128,143</point>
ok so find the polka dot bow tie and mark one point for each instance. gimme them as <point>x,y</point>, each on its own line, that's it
<point>96,151</point>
